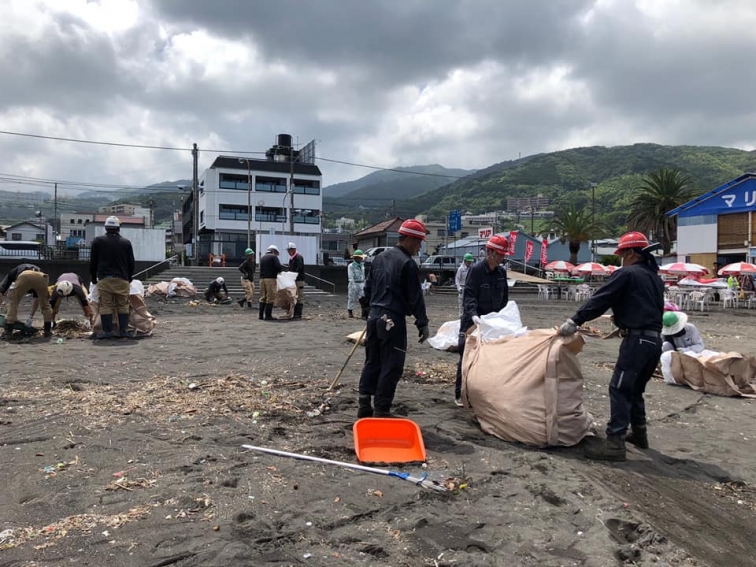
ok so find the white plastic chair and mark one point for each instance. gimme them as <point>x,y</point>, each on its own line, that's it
<point>729,298</point>
<point>698,299</point>
<point>544,292</point>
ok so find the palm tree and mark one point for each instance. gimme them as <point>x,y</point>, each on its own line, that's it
<point>576,225</point>
<point>660,192</point>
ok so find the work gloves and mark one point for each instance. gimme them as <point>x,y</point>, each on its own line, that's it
<point>568,328</point>
<point>423,332</point>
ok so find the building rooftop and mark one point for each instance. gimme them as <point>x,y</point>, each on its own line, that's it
<point>230,162</point>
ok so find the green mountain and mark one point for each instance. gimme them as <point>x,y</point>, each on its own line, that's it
<point>402,183</point>
<point>566,176</point>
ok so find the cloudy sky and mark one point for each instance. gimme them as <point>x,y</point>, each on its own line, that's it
<point>463,83</point>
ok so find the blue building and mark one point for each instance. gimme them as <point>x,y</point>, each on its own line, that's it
<point>717,228</point>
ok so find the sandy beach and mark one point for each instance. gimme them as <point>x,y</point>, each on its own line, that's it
<point>129,453</point>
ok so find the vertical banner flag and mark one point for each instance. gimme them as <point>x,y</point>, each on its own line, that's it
<point>544,252</point>
<point>512,240</point>
<point>528,250</point>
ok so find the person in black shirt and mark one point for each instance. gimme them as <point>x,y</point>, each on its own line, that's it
<point>247,269</point>
<point>270,267</point>
<point>392,291</point>
<point>486,291</point>
<point>111,267</point>
<point>296,264</point>
<point>635,295</point>
<point>216,291</point>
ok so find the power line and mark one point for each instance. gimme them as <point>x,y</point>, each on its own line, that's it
<point>390,169</point>
<point>171,148</point>
<point>120,145</point>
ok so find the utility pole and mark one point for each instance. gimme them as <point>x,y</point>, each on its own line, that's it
<point>55,216</point>
<point>291,191</point>
<point>195,193</point>
<point>593,220</point>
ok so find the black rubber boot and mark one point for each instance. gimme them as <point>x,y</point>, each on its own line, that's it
<point>249,305</point>
<point>7,331</point>
<point>298,310</point>
<point>365,408</point>
<point>241,302</point>
<point>262,312</point>
<point>48,329</point>
<point>123,326</point>
<point>351,314</point>
<point>107,327</point>
<point>638,436</point>
<point>269,312</point>
<point>610,449</point>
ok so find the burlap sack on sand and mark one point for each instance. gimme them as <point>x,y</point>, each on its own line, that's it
<point>141,321</point>
<point>722,374</point>
<point>527,389</point>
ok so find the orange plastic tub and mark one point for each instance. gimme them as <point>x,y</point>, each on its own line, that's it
<point>388,440</point>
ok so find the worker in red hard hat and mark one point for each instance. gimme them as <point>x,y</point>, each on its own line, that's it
<point>486,291</point>
<point>635,294</point>
<point>392,291</point>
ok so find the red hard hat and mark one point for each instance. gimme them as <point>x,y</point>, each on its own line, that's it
<point>498,243</point>
<point>413,228</point>
<point>631,240</point>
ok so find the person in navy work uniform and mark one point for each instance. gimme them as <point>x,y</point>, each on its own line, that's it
<point>635,294</point>
<point>392,291</point>
<point>485,291</point>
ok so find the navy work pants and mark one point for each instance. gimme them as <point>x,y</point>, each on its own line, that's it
<point>638,357</point>
<point>385,351</point>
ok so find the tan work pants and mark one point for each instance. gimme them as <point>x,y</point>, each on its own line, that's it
<point>249,289</point>
<point>268,290</point>
<point>25,282</point>
<point>114,296</point>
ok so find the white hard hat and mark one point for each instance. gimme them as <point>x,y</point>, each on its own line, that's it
<point>65,288</point>
<point>112,222</point>
<point>219,280</point>
<point>291,246</point>
<point>272,248</point>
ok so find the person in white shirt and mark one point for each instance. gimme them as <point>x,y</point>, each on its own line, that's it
<point>680,335</point>
<point>461,276</point>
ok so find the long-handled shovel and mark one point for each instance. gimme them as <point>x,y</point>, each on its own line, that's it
<point>348,358</point>
<point>420,481</point>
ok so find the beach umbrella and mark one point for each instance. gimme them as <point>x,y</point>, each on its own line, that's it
<point>559,266</point>
<point>612,269</point>
<point>683,269</point>
<point>592,268</point>
<point>737,269</point>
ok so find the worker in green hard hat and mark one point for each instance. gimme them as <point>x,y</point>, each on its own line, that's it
<point>356,274</point>
<point>461,276</point>
<point>247,269</point>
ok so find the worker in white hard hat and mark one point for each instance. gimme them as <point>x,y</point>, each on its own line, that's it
<point>270,267</point>
<point>296,264</point>
<point>216,291</point>
<point>67,285</point>
<point>111,267</point>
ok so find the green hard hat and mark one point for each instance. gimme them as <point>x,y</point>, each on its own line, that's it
<point>359,253</point>
<point>249,251</point>
<point>468,257</point>
<point>669,319</point>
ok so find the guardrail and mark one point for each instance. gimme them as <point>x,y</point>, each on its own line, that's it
<point>333,285</point>
<point>172,260</point>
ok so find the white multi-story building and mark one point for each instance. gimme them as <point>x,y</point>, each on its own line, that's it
<point>283,195</point>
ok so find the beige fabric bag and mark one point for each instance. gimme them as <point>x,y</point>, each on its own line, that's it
<point>723,374</point>
<point>527,389</point>
<point>141,321</point>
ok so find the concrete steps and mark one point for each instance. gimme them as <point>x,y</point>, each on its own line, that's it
<point>201,276</point>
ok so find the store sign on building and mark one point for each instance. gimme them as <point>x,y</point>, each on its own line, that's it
<point>737,199</point>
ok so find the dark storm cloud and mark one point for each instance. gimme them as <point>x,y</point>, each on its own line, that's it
<point>391,41</point>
